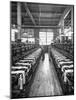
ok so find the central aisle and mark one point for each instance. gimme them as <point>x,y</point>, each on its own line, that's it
<point>45,82</point>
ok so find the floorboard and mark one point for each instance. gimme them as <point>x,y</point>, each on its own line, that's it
<point>45,81</point>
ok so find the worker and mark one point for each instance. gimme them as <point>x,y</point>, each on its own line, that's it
<point>43,53</point>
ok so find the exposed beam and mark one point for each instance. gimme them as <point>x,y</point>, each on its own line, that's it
<point>44,19</point>
<point>48,13</point>
<point>44,13</point>
<point>65,12</point>
<point>37,14</point>
<point>29,13</point>
<point>49,27</point>
<point>53,17</point>
<point>53,5</point>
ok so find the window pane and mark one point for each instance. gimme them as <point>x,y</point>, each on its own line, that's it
<point>42,38</point>
<point>49,37</point>
<point>31,40</point>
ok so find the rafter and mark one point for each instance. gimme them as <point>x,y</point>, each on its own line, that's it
<point>51,27</point>
<point>29,13</point>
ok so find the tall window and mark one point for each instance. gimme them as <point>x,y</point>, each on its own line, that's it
<point>49,37</point>
<point>45,38</point>
<point>42,38</point>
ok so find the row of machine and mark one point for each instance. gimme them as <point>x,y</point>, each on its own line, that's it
<point>65,70</point>
<point>23,68</point>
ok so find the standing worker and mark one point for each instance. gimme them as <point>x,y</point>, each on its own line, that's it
<point>43,53</point>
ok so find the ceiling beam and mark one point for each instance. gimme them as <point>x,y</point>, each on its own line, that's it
<point>40,26</point>
<point>68,8</point>
<point>51,27</point>
<point>48,13</point>
<point>43,19</point>
<point>43,13</point>
<point>53,5</point>
<point>29,13</point>
<point>37,14</point>
<point>53,17</point>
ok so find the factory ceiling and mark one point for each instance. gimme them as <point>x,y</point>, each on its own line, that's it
<point>38,14</point>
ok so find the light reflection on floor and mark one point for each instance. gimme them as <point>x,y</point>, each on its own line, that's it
<point>45,82</point>
<point>46,65</point>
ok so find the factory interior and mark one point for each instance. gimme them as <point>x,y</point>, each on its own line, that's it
<point>42,49</point>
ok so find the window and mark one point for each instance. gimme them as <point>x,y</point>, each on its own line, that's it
<point>30,40</point>
<point>45,38</point>
<point>42,38</point>
<point>49,37</point>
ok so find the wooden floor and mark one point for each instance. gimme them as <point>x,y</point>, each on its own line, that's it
<point>45,82</point>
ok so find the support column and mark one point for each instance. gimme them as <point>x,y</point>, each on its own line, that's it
<point>19,19</point>
<point>61,30</point>
<point>36,35</point>
<point>60,34</point>
<point>72,23</point>
<point>62,26</point>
